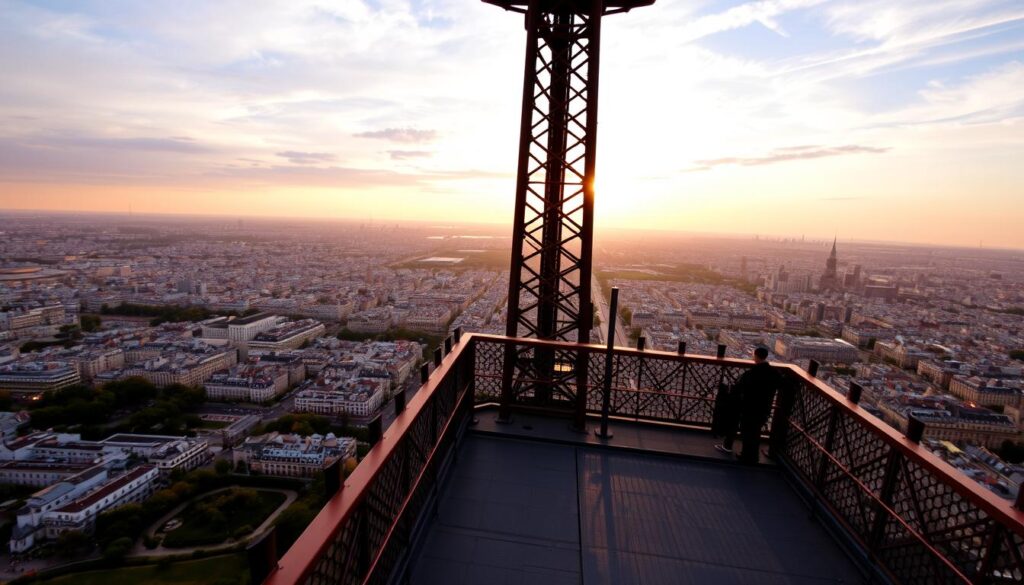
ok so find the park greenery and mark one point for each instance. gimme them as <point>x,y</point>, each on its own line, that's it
<point>213,519</point>
<point>142,407</point>
<point>219,570</point>
<point>308,424</point>
<point>393,334</point>
<point>125,524</point>
<point>168,313</point>
<point>680,273</point>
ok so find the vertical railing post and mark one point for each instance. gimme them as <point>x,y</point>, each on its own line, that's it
<point>812,368</point>
<point>890,479</point>
<point>400,402</point>
<point>854,393</point>
<point>720,388</point>
<point>641,343</point>
<point>374,431</point>
<point>780,417</point>
<point>581,365</point>
<point>827,444</point>
<point>333,477</point>
<point>507,381</point>
<point>606,399</point>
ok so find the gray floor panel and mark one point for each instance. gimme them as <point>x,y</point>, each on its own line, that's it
<point>536,513</point>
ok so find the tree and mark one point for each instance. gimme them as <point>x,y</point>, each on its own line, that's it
<point>90,322</point>
<point>222,466</point>
<point>72,542</point>
<point>1017,354</point>
<point>117,549</point>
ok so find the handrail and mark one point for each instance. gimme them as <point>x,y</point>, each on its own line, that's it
<point>805,437</point>
<point>991,503</point>
<point>299,562</point>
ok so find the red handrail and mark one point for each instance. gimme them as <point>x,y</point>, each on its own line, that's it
<point>302,557</point>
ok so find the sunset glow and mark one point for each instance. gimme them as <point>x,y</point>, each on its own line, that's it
<point>870,119</point>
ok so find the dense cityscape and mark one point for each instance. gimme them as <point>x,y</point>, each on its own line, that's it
<point>148,360</point>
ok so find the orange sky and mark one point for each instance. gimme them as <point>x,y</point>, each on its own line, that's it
<point>864,119</point>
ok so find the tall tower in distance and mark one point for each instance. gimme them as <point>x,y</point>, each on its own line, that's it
<point>552,237</point>
<point>830,279</point>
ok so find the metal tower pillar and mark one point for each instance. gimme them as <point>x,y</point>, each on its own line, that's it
<point>552,240</point>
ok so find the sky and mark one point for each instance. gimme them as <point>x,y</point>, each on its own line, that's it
<point>865,119</point>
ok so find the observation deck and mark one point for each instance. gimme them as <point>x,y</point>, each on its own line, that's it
<point>451,494</point>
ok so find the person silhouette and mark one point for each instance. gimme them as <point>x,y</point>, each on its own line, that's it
<point>751,402</point>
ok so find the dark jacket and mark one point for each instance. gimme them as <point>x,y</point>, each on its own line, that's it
<point>756,389</point>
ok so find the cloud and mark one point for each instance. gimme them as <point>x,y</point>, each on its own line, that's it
<point>407,135</point>
<point>786,154</point>
<point>177,144</point>
<point>306,158</point>
<point>762,12</point>
<point>407,154</point>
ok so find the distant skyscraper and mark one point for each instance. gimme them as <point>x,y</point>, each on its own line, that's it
<point>830,280</point>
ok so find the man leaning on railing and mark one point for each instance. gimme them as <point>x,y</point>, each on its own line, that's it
<point>747,405</point>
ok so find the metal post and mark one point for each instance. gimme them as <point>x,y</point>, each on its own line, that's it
<point>608,356</point>
<point>374,431</point>
<point>458,335</point>
<point>854,393</point>
<point>720,353</point>
<point>812,369</point>
<point>332,477</point>
<point>780,417</point>
<point>424,373</point>
<point>438,356</point>
<point>447,345</point>
<point>915,428</point>
<point>893,464</point>
<point>400,402</point>
<point>682,348</point>
<point>641,342</point>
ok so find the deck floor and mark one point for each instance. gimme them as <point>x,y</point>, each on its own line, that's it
<point>530,512</point>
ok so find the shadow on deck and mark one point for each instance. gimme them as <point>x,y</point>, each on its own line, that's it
<point>539,512</point>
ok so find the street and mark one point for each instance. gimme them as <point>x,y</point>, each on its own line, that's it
<point>602,313</point>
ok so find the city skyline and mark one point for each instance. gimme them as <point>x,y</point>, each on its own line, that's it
<point>873,122</point>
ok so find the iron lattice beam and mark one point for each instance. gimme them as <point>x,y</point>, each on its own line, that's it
<point>552,241</point>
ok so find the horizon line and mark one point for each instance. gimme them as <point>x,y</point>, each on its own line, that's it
<point>371,219</point>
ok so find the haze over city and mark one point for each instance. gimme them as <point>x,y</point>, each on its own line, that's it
<point>871,120</point>
<point>350,292</point>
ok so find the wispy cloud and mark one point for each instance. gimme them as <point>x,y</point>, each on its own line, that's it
<point>407,135</point>
<point>408,154</point>
<point>306,158</point>
<point>786,154</point>
<point>763,12</point>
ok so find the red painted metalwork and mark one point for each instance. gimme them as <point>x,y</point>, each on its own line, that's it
<point>553,225</point>
<point>916,518</point>
<point>337,521</point>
